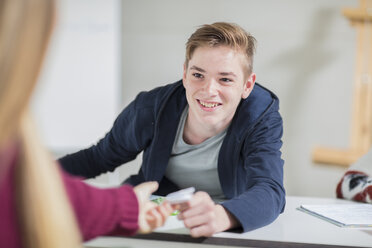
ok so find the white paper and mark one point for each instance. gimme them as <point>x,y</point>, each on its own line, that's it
<point>346,215</point>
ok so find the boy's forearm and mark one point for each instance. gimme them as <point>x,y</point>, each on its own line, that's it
<point>225,220</point>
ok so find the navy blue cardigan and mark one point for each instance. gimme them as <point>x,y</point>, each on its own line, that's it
<point>250,167</point>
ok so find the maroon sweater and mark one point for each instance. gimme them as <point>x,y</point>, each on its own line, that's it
<point>98,211</point>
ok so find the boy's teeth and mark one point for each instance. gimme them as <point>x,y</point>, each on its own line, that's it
<point>208,105</point>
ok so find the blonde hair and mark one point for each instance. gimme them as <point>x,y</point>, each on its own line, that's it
<point>46,218</point>
<point>222,34</point>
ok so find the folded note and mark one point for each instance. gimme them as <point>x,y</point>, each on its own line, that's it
<point>344,215</point>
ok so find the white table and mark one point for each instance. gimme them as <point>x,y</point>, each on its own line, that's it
<point>292,228</point>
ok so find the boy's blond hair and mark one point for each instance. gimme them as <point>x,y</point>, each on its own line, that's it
<point>222,34</point>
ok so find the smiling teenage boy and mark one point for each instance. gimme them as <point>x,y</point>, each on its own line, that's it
<point>215,130</point>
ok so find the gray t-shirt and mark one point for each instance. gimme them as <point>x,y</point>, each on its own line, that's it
<point>196,165</point>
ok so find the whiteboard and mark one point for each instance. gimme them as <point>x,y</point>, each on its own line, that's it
<point>78,96</point>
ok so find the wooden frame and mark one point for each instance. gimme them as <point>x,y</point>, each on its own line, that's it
<point>361,131</point>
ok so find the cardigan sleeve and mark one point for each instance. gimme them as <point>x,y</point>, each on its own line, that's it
<point>99,212</point>
<point>356,183</point>
<point>129,135</point>
<point>263,198</point>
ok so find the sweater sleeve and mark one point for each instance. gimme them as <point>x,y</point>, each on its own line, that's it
<point>129,135</point>
<point>111,211</point>
<point>356,183</point>
<point>264,196</point>
<point>114,149</point>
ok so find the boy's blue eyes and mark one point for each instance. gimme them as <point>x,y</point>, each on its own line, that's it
<point>225,80</point>
<point>197,75</point>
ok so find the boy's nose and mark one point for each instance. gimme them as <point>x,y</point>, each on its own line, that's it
<point>211,87</point>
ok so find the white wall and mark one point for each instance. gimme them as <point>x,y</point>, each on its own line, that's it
<point>305,55</point>
<point>79,92</point>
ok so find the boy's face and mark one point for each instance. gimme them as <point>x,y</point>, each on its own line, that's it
<point>215,82</point>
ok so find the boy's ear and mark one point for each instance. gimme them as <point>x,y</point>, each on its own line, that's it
<point>184,72</point>
<point>248,85</point>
